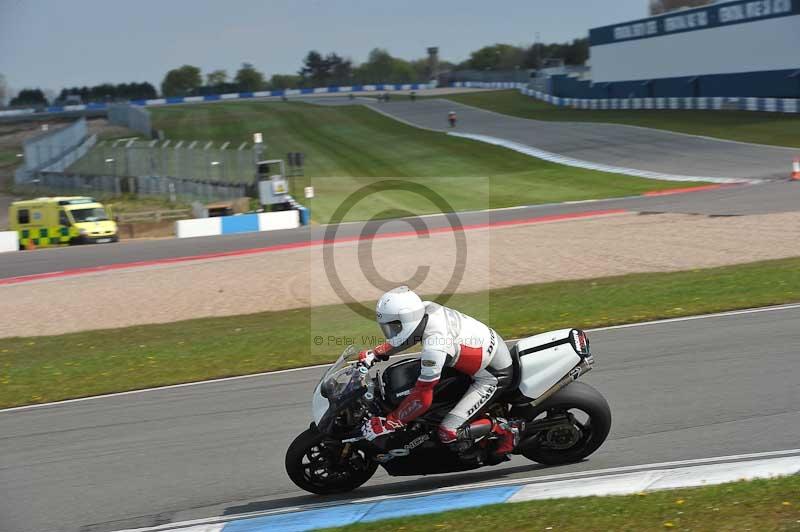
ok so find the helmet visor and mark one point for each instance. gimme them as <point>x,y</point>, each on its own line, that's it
<point>391,329</point>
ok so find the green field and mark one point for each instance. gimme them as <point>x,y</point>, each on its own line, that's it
<point>349,147</point>
<point>51,368</point>
<point>9,157</point>
<point>758,505</point>
<point>746,126</point>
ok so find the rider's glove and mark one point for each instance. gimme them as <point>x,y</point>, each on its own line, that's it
<point>367,358</point>
<point>380,426</point>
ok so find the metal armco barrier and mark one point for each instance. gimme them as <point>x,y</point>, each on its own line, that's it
<point>377,87</point>
<point>709,103</point>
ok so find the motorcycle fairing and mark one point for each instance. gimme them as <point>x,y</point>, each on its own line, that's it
<point>545,358</point>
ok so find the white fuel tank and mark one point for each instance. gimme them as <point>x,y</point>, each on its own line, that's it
<point>544,360</point>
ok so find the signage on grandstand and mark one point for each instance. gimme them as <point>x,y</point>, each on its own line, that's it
<point>715,15</point>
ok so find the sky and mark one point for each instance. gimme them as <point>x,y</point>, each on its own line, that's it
<point>58,43</point>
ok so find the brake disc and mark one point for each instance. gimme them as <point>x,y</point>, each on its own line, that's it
<point>562,437</point>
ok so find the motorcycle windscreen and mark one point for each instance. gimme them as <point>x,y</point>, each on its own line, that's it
<point>544,360</point>
<point>319,405</point>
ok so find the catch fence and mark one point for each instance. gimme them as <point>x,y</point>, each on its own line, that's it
<point>50,146</point>
<point>72,162</point>
<point>131,116</point>
<point>187,160</point>
<point>43,183</point>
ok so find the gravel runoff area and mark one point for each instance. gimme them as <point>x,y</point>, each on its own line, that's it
<point>497,257</point>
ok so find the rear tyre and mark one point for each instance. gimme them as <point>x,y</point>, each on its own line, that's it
<point>315,464</point>
<point>587,421</point>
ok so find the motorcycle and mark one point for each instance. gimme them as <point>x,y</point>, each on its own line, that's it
<point>564,421</point>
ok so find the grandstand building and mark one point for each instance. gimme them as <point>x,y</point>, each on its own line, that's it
<point>732,49</point>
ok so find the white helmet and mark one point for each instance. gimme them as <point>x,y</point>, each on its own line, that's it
<point>400,312</point>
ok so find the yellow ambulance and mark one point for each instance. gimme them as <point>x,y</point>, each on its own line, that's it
<point>60,221</point>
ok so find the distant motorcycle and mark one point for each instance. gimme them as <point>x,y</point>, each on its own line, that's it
<point>565,421</point>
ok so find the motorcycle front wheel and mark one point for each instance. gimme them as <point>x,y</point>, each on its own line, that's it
<point>582,420</point>
<point>324,466</point>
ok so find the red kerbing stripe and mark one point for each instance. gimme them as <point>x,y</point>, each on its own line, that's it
<point>688,189</point>
<point>296,245</point>
<point>469,360</point>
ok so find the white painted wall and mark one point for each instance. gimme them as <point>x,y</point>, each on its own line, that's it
<point>772,44</point>
<point>198,227</point>
<point>272,221</point>
<point>9,241</point>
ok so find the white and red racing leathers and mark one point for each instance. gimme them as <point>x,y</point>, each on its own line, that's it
<point>452,339</point>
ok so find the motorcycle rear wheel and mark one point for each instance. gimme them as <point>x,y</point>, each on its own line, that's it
<point>577,396</point>
<point>314,464</point>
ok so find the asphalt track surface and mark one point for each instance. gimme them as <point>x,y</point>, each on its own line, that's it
<point>612,144</point>
<point>678,390</point>
<point>723,201</point>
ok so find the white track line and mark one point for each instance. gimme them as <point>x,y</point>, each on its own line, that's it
<point>700,317</point>
<point>564,160</point>
<point>612,470</point>
<point>600,167</point>
<point>591,474</point>
<point>318,366</point>
<point>615,124</point>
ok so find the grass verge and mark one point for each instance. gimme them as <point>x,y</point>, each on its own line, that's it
<point>745,126</point>
<point>51,368</point>
<point>348,147</point>
<point>762,505</point>
<point>9,157</point>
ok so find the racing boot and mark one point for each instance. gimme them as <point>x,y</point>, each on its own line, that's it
<point>507,434</point>
<point>463,441</point>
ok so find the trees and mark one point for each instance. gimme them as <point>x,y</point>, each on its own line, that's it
<point>573,53</point>
<point>284,81</point>
<point>381,67</point>
<point>576,52</point>
<point>508,57</point>
<point>135,91</point>
<point>340,70</point>
<point>216,77</point>
<point>104,92</point>
<point>29,97</point>
<point>314,69</point>
<point>181,81</point>
<point>378,67</point>
<point>496,57</point>
<point>248,79</point>
<point>107,91</point>
<point>332,69</point>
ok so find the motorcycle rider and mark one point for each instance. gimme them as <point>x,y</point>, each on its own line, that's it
<point>449,339</point>
<point>451,117</point>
